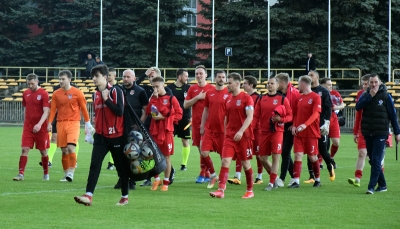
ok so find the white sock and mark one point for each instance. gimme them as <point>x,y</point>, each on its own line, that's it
<point>317,179</point>
<point>167,179</point>
<point>297,180</point>
<point>357,180</point>
<point>126,196</point>
<point>89,194</point>
<point>213,175</point>
<point>157,178</point>
<point>238,174</point>
<point>259,176</point>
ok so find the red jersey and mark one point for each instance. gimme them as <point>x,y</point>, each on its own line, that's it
<point>198,107</point>
<point>215,102</point>
<point>336,98</point>
<point>169,107</point>
<point>357,122</point>
<point>292,94</point>
<point>264,111</point>
<point>34,102</point>
<point>308,113</point>
<point>256,97</point>
<point>109,120</point>
<point>235,113</point>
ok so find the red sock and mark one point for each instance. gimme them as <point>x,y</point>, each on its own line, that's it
<point>358,174</point>
<point>23,160</point>
<point>259,166</point>
<point>238,165</point>
<point>272,178</point>
<point>315,166</point>
<point>203,167</point>
<point>156,176</point>
<point>45,164</point>
<point>209,164</point>
<point>223,177</point>
<point>207,173</point>
<point>165,182</point>
<point>249,179</point>
<point>334,150</point>
<point>297,169</point>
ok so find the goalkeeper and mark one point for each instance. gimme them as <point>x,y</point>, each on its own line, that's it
<point>325,116</point>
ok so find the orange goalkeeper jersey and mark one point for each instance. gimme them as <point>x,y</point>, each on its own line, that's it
<point>68,105</point>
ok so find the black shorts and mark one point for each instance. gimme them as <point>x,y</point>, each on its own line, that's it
<point>54,127</point>
<point>179,129</point>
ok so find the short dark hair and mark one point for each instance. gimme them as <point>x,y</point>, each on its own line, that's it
<point>180,72</point>
<point>235,76</point>
<point>157,79</point>
<point>374,75</point>
<point>365,77</point>
<point>251,80</point>
<point>220,72</point>
<point>201,66</point>
<point>324,80</point>
<point>112,70</point>
<point>67,73</point>
<point>102,68</point>
<point>32,76</point>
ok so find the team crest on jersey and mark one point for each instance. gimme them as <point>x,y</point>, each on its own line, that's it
<point>380,102</point>
<point>225,96</point>
<point>39,97</point>
<point>132,92</point>
<point>275,101</point>
<point>238,102</point>
<point>310,101</point>
<point>69,96</point>
<point>320,93</point>
<point>165,101</point>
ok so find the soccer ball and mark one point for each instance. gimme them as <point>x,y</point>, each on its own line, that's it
<point>132,151</point>
<point>135,137</point>
<point>136,166</point>
<point>147,152</point>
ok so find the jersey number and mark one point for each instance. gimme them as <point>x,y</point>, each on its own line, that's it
<point>248,153</point>
<point>169,147</point>
<point>111,130</point>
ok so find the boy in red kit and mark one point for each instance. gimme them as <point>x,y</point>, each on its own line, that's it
<point>306,130</point>
<point>212,123</point>
<point>334,128</point>
<point>238,135</point>
<point>165,111</point>
<point>37,106</point>
<point>274,110</point>
<point>195,99</point>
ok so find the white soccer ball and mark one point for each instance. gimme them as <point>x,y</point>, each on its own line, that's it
<point>132,151</point>
<point>136,166</point>
<point>135,137</point>
<point>147,152</point>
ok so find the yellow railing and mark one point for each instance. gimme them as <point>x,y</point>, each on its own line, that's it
<point>261,73</point>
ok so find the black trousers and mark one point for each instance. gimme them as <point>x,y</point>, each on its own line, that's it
<point>101,146</point>
<point>287,161</point>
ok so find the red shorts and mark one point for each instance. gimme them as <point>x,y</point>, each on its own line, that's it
<point>167,145</point>
<point>334,128</point>
<point>241,150</point>
<point>308,146</point>
<point>361,142</point>
<point>256,142</point>
<point>196,136</point>
<point>212,142</point>
<point>271,143</point>
<point>41,140</point>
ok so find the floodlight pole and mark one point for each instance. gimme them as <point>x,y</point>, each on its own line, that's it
<point>329,39</point>
<point>212,41</point>
<point>269,41</point>
<point>390,42</point>
<point>158,30</point>
<point>101,29</point>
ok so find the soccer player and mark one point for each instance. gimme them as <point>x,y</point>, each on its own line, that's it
<point>180,89</point>
<point>306,130</point>
<point>212,123</point>
<point>112,73</point>
<point>325,116</point>
<point>165,112</point>
<point>68,101</point>
<point>378,111</point>
<point>238,136</point>
<point>291,93</point>
<point>334,129</point>
<point>359,138</point>
<point>108,105</point>
<point>271,112</point>
<point>195,99</point>
<point>36,102</point>
<point>249,86</point>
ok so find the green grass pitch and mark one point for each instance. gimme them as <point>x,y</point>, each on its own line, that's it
<point>34,203</point>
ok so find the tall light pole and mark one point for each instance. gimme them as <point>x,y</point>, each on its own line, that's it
<point>212,41</point>
<point>101,29</point>
<point>329,38</point>
<point>390,41</point>
<point>158,30</point>
<point>269,41</point>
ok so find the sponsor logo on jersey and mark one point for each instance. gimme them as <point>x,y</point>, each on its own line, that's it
<point>165,101</point>
<point>225,96</point>
<point>212,94</point>
<point>310,101</point>
<point>238,102</point>
<point>380,102</point>
<point>39,97</point>
<point>275,102</point>
<point>69,96</point>
<point>29,95</point>
<point>195,90</point>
